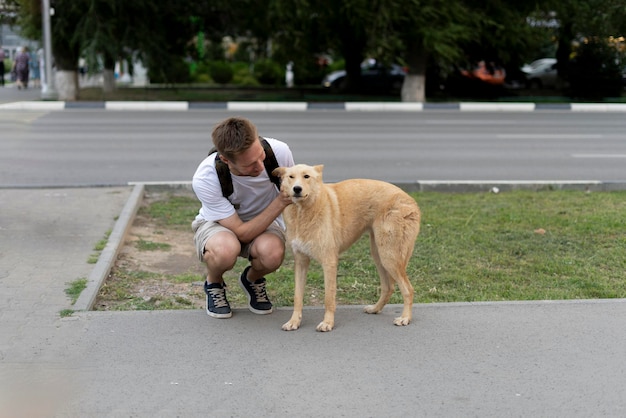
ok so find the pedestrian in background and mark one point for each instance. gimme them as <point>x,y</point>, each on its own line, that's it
<point>2,57</point>
<point>21,68</point>
<point>35,73</point>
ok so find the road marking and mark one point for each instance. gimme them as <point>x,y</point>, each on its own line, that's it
<point>494,107</point>
<point>509,182</point>
<point>549,136</point>
<point>19,117</point>
<point>598,155</point>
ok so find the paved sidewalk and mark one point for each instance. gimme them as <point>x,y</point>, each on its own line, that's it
<point>9,93</point>
<point>46,238</point>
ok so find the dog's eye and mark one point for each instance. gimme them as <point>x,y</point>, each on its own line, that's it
<point>306,176</point>
<point>290,177</point>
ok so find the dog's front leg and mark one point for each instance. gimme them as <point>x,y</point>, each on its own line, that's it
<point>301,267</point>
<point>330,293</point>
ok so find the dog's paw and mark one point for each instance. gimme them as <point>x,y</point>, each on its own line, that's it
<point>291,326</point>
<point>371,309</point>
<point>324,327</point>
<point>402,321</point>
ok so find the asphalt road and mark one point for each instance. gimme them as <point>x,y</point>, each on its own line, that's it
<point>102,147</point>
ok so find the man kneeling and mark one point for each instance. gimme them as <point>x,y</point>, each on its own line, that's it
<point>241,218</point>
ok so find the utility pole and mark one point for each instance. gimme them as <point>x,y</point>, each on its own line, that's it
<point>48,91</point>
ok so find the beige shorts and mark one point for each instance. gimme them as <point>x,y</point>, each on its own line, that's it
<point>203,230</point>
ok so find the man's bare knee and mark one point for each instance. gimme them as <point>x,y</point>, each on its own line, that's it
<point>269,251</point>
<point>222,250</point>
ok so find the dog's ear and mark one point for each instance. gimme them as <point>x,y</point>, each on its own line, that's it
<point>279,171</point>
<point>319,168</point>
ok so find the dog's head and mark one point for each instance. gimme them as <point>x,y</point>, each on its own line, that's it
<point>300,181</point>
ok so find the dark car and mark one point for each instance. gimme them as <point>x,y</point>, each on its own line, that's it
<point>375,78</point>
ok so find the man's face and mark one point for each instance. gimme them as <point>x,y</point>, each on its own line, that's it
<point>249,162</point>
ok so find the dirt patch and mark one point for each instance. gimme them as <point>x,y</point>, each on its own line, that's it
<point>156,268</point>
<point>177,258</point>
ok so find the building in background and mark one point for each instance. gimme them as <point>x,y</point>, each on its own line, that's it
<point>10,41</point>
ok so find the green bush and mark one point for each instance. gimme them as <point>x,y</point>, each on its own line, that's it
<point>176,72</point>
<point>242,75</point>
<point>221,72</point>
<point>8,64</point>
<point>337,65</point>
<point>268,72</point>
<point>203,78</point>
<point>200,73</point>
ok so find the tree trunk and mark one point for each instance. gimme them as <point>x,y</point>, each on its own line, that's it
<point>352,47</point>
<point>66,83</point>
<point>566,35</point>
<point>108,75</point>
<point>66,62</point>
<point>414,86</point>
<point>108,80</point>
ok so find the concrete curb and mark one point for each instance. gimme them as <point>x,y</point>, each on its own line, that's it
<point>503,186</point>
<point>109,255</point>
<point>116,240</point>
<point>305,106</point>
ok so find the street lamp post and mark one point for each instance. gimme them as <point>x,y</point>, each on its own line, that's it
<point>48,91</point>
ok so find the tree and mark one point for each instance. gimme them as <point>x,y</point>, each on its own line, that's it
<point>313,26</point>
<point>8,11</point>
<point>107,30</point>
<point>427,32</point>
<point>155,31</point>
<point>65,44</point>
<point>417,33</point>
<point>592,23</point>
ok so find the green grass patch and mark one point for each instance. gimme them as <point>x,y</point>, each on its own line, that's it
<point>216,93</point>
<point>103,242</point>
<point>490,247</point>
<point>202,92</point>
<point>100,245</point>
<point>75,288</point>
<point>143,245</point>
<point>186,278</point>
<point>175,212</point>
<point>485,246</point>
<point>66,312</point>
<point>518,245</point>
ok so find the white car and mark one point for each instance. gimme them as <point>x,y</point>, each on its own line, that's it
<point>541,73</point>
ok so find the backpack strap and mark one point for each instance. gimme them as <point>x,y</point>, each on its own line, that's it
<point>270,162</point>
<point>223,173</point>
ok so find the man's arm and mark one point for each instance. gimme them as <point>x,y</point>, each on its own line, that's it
<point>247,231</point>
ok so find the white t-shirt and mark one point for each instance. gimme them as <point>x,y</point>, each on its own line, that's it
<point>251,194</point>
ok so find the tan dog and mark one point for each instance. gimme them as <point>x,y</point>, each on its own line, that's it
<point>326,219</point>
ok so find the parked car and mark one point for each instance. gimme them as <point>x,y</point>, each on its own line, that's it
<point>541,73</point>
<point>375,78</point>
